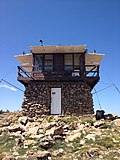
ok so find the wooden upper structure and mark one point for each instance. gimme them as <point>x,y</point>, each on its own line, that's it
<point>59,63</point>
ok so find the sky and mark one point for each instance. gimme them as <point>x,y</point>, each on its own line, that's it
<point>95,23</point>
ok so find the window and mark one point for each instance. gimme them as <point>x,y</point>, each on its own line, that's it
<point>38,62</point>
<point>76,61</point>
<point>68,62</point>
<point>48,63</point>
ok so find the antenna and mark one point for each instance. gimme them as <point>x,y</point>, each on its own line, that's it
<point>41,42</point>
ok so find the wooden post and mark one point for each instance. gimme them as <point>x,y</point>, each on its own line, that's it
<point>82,64</point>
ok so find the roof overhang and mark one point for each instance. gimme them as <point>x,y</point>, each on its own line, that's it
<point>93,58</point>
<point>26,60</point>
<point>57,49</point>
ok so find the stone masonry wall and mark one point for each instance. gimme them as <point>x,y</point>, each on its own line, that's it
<point>76,98</point>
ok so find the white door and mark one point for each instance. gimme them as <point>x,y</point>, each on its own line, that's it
<point>55,100</point>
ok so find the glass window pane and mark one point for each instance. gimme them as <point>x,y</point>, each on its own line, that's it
<point>68,62</point>
<point>38,62</point>
<point>76,61</point>
<point>48,62</point>
<point>48,59</point>
<point>68,59</point>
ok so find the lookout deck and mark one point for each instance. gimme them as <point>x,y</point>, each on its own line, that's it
<point>91,76</point>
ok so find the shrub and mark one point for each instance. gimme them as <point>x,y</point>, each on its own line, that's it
<point>106,142</point>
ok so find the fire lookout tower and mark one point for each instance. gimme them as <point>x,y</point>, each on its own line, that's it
<point>58,80</point>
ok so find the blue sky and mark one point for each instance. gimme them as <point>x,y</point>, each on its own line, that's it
<point>95,23</point>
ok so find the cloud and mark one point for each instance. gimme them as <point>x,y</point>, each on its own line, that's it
<point>6,86</point>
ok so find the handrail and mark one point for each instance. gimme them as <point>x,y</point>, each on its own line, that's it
<point>94,69</point>
<point>22,72</point>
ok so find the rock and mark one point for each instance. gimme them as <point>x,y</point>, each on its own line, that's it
<point>40,131</point>
<point>117,122</point>
<point>87,124</point>
<point>46,143</point>
<point>32,131</point>
<point>43,155</point>
<point>58,137</point>
<point>29,142</point>
<point>28,153</point>
<point>99,123</point>
<point>6,158</point>
<point>58,153</point>
<point>16,127</point>
<point>15,153</point>
<point>59,130</point>
<point>50,132</point>
<point>39,136</point>
<point>23,120</point>
<point>93,152</point>
<point>82,141</point>
<point>73,135</point>
<point>16,134</point>
<point>54,131</point>
<point>4,124</point>
<point>50,125</point>
<point>19,141</point>
<point>66,128</point>
<point>90,136</point>
<point>110,116</point>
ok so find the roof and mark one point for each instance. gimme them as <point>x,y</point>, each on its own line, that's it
<point>57,49</point>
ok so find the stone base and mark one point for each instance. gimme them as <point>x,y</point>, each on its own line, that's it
<point>76,98</point>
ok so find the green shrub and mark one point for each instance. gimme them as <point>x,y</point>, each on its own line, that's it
<point>87,120</point>
<point>106,142</point>
<point>106,126</point>
<point>49,119</point>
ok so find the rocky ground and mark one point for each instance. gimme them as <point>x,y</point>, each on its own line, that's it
<point>59,137</point>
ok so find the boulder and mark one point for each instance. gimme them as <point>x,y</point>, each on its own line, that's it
<point>23,120</point>
<point>42,155</point>
<point>110,116</point>
<point>59,130</point>
<point>93,152</point>
<point>50,125</point>
<point>32,131</point>
<point>58,137</point>
<point>29,142</point>
<point>50,132</point>
<point>16,127</point>
<point>99,123</point>
<point>90,136</point>
<point>46,143</point>
<point>55,131</point>
<point>73,135</point>
<point>117,122</point>
<point>58,153</point>
<point>19,141</point>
